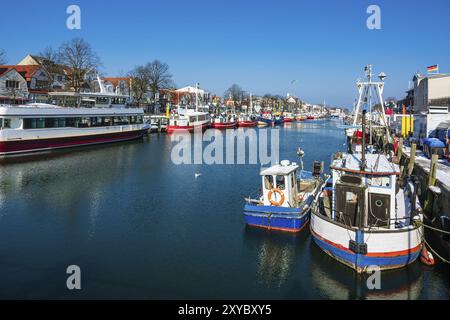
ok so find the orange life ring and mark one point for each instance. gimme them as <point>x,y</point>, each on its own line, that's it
<point>273,202</point>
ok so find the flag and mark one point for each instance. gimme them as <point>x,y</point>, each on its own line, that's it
<point>433,68</point>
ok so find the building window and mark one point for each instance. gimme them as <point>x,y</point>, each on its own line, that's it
<point>12,84</point>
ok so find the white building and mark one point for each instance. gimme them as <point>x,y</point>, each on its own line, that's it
<point>13,86</point>
<point>431,90</point>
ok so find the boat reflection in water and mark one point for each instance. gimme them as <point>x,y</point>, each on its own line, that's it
<point>336,282</point>
<point>276,255</point>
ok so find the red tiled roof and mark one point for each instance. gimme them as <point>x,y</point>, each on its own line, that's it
<point>26,71</point>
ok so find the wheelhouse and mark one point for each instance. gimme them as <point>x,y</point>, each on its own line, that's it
<point>279,185</point>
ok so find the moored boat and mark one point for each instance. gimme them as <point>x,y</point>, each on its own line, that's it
<point>364,219</point>
<point>43,127</point>
<point>288,117</point>
<point>224,122</point>
<point>188,120</point>
<point>285,201</point>
<point>266,119</point>
<point>246,120</point>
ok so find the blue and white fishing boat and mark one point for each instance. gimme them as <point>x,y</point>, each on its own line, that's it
<point>367,218</point>
<point>285,199</point>
<point>266,119</point>
<point>278,120</point>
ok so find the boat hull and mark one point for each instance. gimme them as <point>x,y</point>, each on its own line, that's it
<point>174,129</point>
<point>276,218</point>
<point>385,249</point>
<point>247,123</point>
<point>288,120</point>
<point>265,122</point>
<point>224,125</point>
<point>12,147</point>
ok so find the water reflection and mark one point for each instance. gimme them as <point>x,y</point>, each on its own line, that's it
<point>275,255</point>
<point>338,282</point>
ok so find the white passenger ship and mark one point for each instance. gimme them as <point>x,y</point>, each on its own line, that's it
<point>41,127</point>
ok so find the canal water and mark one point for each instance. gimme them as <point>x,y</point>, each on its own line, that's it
<point>140,226</point>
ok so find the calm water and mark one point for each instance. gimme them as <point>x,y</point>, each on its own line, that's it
<point>142,227</point>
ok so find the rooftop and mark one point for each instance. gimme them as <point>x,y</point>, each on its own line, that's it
<point>376,164</point>
<point>279,169</point>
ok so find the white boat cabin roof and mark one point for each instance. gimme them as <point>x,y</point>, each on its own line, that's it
<point>282,169</point>
<point>376,164</point>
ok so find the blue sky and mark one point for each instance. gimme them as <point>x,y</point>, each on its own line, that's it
<point>260,45</point>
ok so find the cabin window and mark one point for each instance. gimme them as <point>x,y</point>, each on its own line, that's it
<point>12,84</point>
<point>6,123</point>
<point>102,100</point>
<point>268,182</point>
<point>39,123</point>
<point>380,182</point>
<point>281,183</point>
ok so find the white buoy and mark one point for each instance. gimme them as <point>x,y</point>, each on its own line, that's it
<point>197,175</point>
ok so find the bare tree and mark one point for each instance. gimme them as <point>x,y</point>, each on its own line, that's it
<point>140,82</point>
<point>50,61</point>
<point>78,55</point>
<point>235,93</point>
<point>3,59</point>
<point>159,76</point>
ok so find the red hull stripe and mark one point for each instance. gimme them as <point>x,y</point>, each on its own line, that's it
<point>22,146</point>
<point>247,123</point>
<point>370,254</point>
<point>224,125</point>
<point>170,129</point>
<point>278,228</point>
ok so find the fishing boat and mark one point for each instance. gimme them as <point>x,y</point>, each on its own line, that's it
<point>288,117</point>
<point>43,127</point>
<point>266,119</point>
<point>246,120</point>
<point>224,121</point>
<point>367,217</point>
<point>278,120</point>
<point>187,119</point>
<point>285,200</point>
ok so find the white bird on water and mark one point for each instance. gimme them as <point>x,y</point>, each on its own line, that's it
<point>197,175</point>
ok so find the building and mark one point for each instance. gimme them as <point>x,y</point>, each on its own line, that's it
<point>431,90</point>
<point>119,85</point>
<point>13,86</point>
<point>58,74</point>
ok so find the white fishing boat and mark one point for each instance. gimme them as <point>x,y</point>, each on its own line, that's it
<point>187,120</point>
<point>366,217</point>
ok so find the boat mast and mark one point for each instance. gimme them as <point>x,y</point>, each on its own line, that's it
<point>196,97</point>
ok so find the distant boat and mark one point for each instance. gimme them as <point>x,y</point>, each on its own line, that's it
<point>224,122</point>
<point>246,120</point>
<point>288,117</point>
<point>285,200</point>
<point>188,120</point>
<point>278,120</point>
<point>266,119</point>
